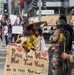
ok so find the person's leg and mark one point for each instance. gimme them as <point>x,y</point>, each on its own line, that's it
<point>15,37</point>
<point>12,39</point>
<point>1,38</point>
<point>6,40</point>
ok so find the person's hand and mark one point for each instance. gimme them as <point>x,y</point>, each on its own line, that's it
<point>52,47</point>
<point>57,44</point>
<point>65,56</point>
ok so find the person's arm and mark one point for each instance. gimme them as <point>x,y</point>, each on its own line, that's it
<point>68,57</point>
<point>65,56</point>
<point>72,58</point>
<point>55,36</point>
<point>47,49</point>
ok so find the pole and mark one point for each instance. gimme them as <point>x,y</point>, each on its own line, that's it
<point>9,6</point>
<point>39,10</point>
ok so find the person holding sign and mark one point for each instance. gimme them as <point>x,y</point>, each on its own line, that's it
<point>33,35</point>
<point>34,28</point>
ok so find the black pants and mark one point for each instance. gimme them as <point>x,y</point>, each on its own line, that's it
<point>15,37</point>
<point>6,39</point>
<point>1,38</point>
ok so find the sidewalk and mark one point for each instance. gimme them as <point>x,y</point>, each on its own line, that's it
<point>2,72</point>
<point>2,65</point>
<point>2,57</point>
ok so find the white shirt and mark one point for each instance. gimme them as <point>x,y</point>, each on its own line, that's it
<point>41,44</point>
<point>5,30</point>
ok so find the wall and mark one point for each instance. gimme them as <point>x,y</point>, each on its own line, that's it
<point>51,20</point>
<point>71,3</point>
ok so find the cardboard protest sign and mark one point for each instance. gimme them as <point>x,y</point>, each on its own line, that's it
<point>17,30</point>
<point>13,18</point>
<point>18,62</point>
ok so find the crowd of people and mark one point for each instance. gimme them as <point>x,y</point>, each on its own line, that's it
<point>6,31</point>
<point>60,40</point>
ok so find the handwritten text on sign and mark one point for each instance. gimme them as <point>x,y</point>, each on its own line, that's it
<point>19,62</point>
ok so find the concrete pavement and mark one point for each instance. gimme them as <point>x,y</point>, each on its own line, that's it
<point>2,57</point>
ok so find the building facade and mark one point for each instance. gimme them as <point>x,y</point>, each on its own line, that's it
<point>1,6</point>
<point>55,7</point>
<point>60,6</point>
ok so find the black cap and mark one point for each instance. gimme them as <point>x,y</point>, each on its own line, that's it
<point>63,17</point>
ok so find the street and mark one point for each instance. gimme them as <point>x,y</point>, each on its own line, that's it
<point>2,57</point>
